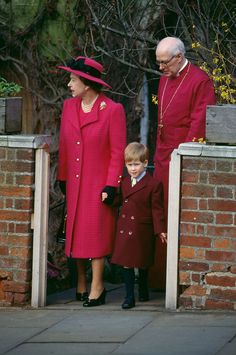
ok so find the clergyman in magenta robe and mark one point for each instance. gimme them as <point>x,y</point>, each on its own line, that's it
<point>184,92</point>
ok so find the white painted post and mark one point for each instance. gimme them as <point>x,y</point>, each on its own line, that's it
<point>40,226</point>
<point>173,232</point>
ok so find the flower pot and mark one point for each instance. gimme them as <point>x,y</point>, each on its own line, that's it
<point>10,115</point>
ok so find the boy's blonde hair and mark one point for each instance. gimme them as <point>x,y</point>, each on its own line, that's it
<point>137,152</point>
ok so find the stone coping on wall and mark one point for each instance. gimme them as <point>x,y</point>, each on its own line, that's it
<point>204,150</point>
<point>33,141</point>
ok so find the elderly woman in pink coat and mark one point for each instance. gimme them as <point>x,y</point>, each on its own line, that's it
<point>91,147</point>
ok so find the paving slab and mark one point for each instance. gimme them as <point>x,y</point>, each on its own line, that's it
<point>18,325</point>
<point>62,349</point>
<point>164,336</point>
<point>95,326</point>
<point>30,318</point>
<point>64,326</point>
<point>229,348</point>
<point>11,337</point>
<point>196,319</point>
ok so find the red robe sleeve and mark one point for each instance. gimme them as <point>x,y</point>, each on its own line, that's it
<point>157,210</point>
<point>203,95</point>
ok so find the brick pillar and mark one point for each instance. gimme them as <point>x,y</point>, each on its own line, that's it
<point>201,249</point>
<point>17,177</point>
<point>207,256</point>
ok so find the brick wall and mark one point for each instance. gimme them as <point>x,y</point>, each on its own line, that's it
<point>16,204</point>
<point>207,259</point>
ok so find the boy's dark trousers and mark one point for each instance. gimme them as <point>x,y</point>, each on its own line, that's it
<point>143,285</point>
<point>129,280</point>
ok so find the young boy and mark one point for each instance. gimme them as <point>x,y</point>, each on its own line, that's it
<point>141,219</point>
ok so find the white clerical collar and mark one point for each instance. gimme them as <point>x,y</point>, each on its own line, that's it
<point>183,66</point>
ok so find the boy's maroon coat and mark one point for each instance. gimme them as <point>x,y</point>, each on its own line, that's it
<point>141,218</point>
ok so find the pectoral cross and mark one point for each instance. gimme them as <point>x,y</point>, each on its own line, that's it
<point>160,126</point>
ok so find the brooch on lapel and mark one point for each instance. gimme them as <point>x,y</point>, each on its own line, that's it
<point>103,105</point>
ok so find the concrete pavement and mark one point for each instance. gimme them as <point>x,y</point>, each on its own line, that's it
<point>65,327</point>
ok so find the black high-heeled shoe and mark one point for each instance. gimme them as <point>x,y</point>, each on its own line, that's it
<point>81,296</point>
<point>96,301</point>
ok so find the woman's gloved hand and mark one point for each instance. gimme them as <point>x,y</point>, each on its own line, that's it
<point>108,194</point>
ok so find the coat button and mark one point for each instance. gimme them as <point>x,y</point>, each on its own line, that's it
<point>130,233</point>
<point>78,142</point>
<point>123,215</point>
<point>77,176</point>
<point>77,159</point>
<point>121,231</point>
<point>126,200</point>
<point>132,217</point>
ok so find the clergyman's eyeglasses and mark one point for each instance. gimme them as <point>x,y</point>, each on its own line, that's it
<point>165,62</point>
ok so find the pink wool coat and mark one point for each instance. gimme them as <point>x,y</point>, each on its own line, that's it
<point>90,157</point>
<point>141,218</point>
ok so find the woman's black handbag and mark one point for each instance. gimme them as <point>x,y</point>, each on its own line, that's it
<point>61,235</point>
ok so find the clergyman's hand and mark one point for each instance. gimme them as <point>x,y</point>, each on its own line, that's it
<point>163,237</point>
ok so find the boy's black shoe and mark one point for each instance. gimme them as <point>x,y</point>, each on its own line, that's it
<point>143,295</point>
<point>128,303</point>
